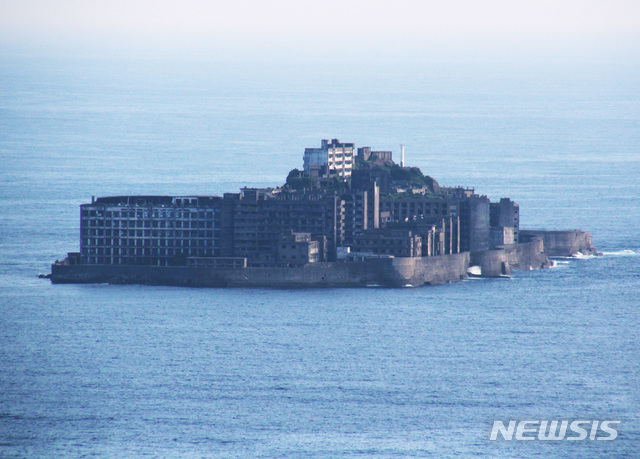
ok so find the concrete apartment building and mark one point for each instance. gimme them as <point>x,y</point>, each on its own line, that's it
<point>336,157</point>
<point>387,241</point>
<point>258,218</point>
<point>149,230</point>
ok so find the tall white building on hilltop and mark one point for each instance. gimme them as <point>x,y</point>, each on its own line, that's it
<point>335,156</point>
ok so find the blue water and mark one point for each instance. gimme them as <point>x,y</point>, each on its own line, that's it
<point>100,370</point>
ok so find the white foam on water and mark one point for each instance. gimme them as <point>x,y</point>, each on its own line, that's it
<point>582,256</point>
<point>474,270</point>
<point>621,253</point>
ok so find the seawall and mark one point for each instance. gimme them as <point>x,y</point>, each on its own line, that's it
<point>562,243</point>
<point>503,259</point>
<point>388,272</point>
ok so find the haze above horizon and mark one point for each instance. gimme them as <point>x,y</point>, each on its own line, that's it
<point>303,29</point>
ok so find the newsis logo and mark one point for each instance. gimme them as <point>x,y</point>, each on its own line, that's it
<point>555,430</point>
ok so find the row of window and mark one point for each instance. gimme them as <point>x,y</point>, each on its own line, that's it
<point>146,213</point>
<point>380,242</point>
<point>413,205</point>
<point>116,243</point>
<point>404,212</point>
<point>138,260</point>
<point>162,234</point>
<point>147,224</point>
<point>140,252</point>
<point>279,213</point>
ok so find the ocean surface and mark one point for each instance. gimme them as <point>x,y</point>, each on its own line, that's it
<point>122,371</point>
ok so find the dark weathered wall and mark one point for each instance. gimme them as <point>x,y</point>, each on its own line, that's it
<point>435,270</point>
<point>391,272</point>
<point>562,243</point>
<point>479,224</point>
<point>529,255</point>
<point>493,263</point>
<point>503,260</point>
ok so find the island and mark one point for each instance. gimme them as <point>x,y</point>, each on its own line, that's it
<point>349,218</point>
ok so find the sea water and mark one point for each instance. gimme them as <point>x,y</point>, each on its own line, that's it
<point>112,370</point>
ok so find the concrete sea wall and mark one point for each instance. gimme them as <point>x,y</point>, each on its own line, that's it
<point>390,272</point>
<point>562,243</point>
<point>502,260</point>
<point>533,251</point>
<point>429,270</point>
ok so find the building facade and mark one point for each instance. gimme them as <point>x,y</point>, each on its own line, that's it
<point>393,242</point>
<point>149,230</point>
<point>379,158</point>
<point>474,224</point>
<point>297,249</point>
<point>506,214</point>
<point>337,157</point>
<point>258,217</point>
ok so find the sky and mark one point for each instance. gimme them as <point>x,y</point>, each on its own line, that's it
<point>314,27</point>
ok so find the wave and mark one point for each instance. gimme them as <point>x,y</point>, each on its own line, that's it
<point>621,253</point>
<point>574,256</point>
<point>581,256</point>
